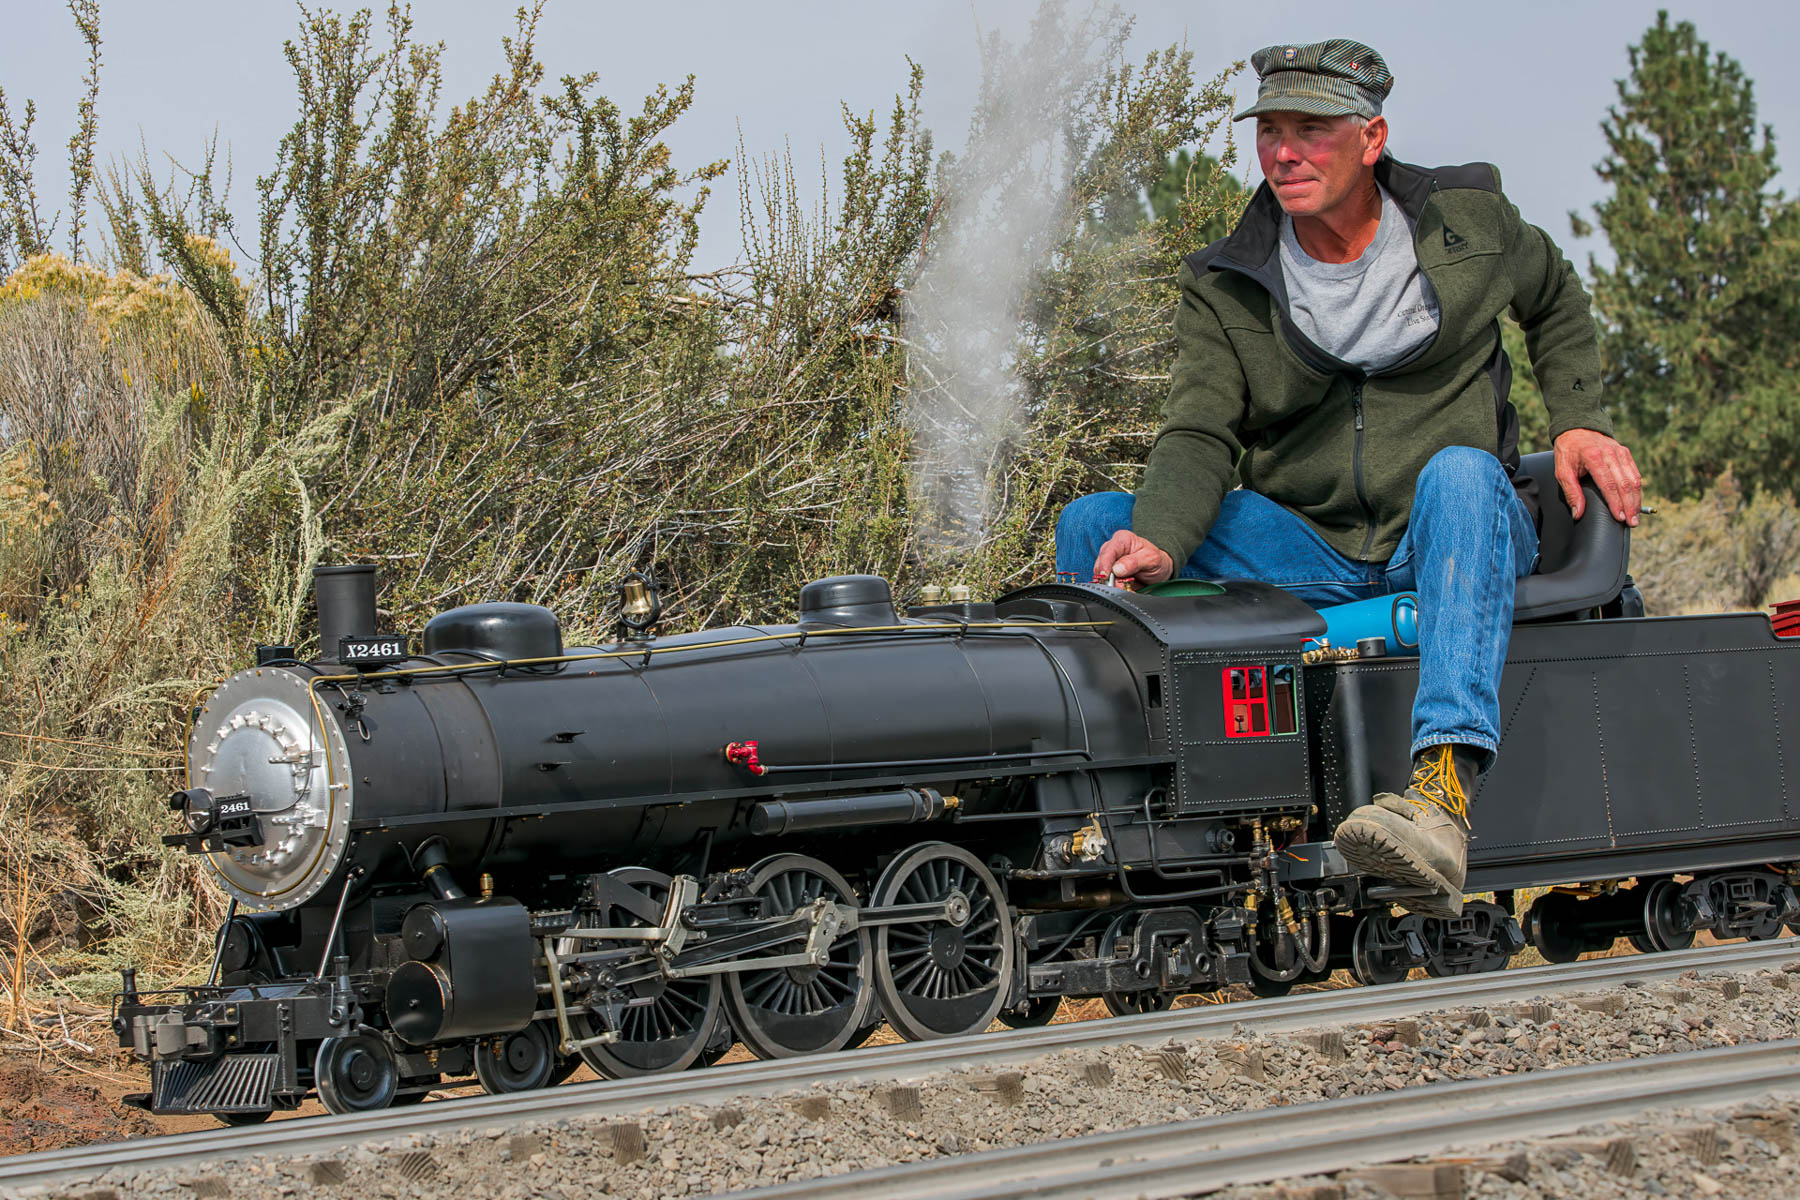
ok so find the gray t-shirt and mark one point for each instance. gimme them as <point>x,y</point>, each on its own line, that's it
<point>1376,312</point>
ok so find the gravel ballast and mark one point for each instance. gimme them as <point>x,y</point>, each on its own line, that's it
<point>833,1130</point>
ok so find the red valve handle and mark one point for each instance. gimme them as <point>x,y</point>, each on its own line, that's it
<point>744,755</point>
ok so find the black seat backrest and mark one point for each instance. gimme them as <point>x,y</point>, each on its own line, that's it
<point>1581,564</point>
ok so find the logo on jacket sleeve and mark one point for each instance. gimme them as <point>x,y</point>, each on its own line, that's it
<point>1454,240</point>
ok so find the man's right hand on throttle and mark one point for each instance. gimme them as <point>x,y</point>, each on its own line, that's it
<point>1132,562</point>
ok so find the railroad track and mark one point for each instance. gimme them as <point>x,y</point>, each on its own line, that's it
<point>1189,1157</point>
<point>720,1085</point>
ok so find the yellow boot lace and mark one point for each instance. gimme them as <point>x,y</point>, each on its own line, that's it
<point>1435,779</point>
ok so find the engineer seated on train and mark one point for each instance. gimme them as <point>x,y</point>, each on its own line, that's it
<point>1339,358</point>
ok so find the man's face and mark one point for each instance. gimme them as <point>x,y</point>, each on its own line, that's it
<point>1313,163</point>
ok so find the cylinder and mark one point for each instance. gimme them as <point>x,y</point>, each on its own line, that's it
<point>346,599</point>
<point>904,807</point>
<point>1394,619</point>
<point>470,972</point>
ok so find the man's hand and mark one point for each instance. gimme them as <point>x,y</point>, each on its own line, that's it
<point>1585,452</point>
<point>1132,560</point>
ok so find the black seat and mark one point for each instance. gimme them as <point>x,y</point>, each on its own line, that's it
<point>1581,564</point>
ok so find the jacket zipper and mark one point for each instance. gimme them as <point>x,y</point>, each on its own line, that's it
<point>1356,462</point>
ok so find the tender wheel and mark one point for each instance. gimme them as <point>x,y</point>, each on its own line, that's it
<point>779,1012</point>
<point>1039,1011</point>
<point>670,1031</point>
<point>355,1074</point>
<point>1377,954</point>
<point>522,1061</point>
<point>1480,940</point>
<point>935,978</point>
<point>1553,928</point>
<point>1665,917</point>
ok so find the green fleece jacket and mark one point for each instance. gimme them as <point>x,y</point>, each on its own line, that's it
<point>1252,398</point>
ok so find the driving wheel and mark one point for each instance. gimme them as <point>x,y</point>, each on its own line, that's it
<point>666,1023</point>
<point>940,978</point>
<point>779,1012</point>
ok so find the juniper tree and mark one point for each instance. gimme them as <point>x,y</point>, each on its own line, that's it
<point>1700,321</point>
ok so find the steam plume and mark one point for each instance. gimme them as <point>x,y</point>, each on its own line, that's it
<point>1003,214</point>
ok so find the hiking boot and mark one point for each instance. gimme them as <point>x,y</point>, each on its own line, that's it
<point>1420,839</point>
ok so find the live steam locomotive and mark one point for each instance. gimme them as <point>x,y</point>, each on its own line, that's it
<point>503,857</point>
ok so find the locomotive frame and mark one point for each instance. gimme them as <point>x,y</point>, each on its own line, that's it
<point>502,859</point>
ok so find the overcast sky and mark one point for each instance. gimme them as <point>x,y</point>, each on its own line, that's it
<point>1523,85</point>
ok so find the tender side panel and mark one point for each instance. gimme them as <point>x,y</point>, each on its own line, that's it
<point>1617,736</point>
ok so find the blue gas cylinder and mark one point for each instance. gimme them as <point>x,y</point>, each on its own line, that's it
<point>1394,619</point>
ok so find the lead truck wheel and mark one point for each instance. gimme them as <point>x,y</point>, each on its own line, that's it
<point>355,1074</point>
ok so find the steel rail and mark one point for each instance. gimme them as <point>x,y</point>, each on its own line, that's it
<point>907,1060</point>
<point>1188,1157</point>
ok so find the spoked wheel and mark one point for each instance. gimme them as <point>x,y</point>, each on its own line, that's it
<point>669,1022</point>
<point>1039,1011</point>
<point>355,1074</point>
<point>1665,912</point>
<point>1376,953</point>
<point>942,978</point>
<point>521,1061</point>
<point>779,1012</point>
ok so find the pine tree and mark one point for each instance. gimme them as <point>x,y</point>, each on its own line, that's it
<point>1698,314</point>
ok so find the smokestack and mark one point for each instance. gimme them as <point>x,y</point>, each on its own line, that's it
<point>346,600</point>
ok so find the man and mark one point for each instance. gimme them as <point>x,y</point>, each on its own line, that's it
<point>1339,354</point>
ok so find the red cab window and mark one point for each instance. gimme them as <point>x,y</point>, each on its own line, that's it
<point>1246,702</point>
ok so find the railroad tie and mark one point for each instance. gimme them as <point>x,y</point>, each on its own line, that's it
<point>901,1103</point>
<point>1007,1087</point>
<point>1172,1064</point>
<point>626,1140</point>
<point>1772,1126</point>
<point>1618,1153</point>
<point>811,1108</point>
<point>1415,1181</point>
<point>415,1166</point>
<point>326,1173</point>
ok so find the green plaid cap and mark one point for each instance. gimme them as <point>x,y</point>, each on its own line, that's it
<point>1338,78</point>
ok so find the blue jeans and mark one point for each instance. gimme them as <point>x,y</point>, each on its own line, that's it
<point>1470,538</point>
